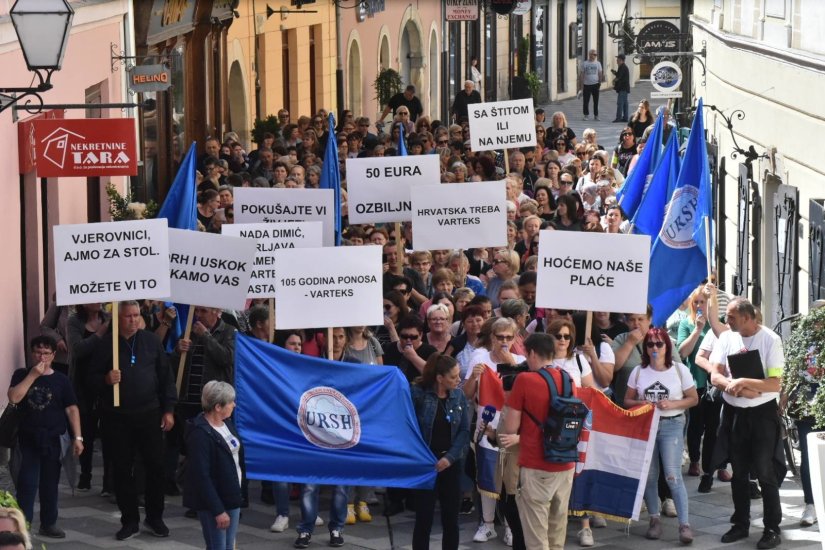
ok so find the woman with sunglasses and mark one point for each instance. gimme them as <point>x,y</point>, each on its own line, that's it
<point>494,353</point>
<point>540,135</point>
<point>624,151</point>
<point>577,366</point>
<point>560,145</point>
<point>395,308</point>
<point>669,386</point>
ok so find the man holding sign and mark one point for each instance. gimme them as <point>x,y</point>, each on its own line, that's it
<point>148,400</point>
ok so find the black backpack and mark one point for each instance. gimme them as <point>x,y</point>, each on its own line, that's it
<point>564,422</point>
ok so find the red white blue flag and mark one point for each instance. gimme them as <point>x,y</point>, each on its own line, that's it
<point>615,450</point>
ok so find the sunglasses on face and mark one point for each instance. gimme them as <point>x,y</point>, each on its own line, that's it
<point>408,336</point>
<point>566,182</point>
<point>504,337</point>
<point>445,142</point>
<point>562,336</point>
<point>626,134</point>
<point>658,344</point>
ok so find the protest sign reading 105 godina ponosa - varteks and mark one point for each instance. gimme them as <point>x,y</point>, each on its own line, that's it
<point>593,271</point>
<point>334,287</point>
<point>269,238</point>
<point>111,261</point>
<point>210,270</point>
<point>262,205</point>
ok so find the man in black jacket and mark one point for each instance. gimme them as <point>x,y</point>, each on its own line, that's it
<point>465,97</point>
<point>147,401</point>
<point>621,84</point>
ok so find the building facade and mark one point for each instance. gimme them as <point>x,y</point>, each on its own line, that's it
<point>770,206</point>
<point>35,205</point>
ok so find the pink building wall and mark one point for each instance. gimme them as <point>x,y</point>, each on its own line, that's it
<point>86,64</point>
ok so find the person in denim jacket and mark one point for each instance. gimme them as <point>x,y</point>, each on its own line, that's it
<point>440,408</point>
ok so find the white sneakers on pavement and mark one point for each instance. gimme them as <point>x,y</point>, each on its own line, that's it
<point>808,516</point>
<point>280,525</point>
<point>485,532</point>
<point>586,537</point>
<point>508,537</point>
<point>669,508</point>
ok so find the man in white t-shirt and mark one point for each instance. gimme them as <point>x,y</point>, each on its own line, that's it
<point>592,76</point>
<point>750,419</point>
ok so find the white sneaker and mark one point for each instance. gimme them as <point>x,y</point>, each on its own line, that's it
<point>596,118</point>
<point>280,525</point>
<point>669,508</point>
<point>508,537</point>
<point>808,516</point>
<point>597,522</point>
<point>586,117</point>
<point>319,521</point>
<point>586,537</point>
<point>485,532</point>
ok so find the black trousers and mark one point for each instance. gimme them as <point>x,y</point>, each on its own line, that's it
<point>591,90</point>
<point>130,435</point>
<point>514,522</point>
<point>89,407</point>
<point>447,491</point>
<point>703,423</point>
<point>753,434</point>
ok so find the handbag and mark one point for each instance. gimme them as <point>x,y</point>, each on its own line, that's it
<point>10,424</point>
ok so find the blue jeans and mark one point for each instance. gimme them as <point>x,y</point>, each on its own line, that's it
<point>804,427</point>
<point>670,443</point>
<point>281,490</point>
<point>309,508</point>
<point>39,470</point>
<point>621,106</point>
<point>219,539</point>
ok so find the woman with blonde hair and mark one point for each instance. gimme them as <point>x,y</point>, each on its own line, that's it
<point>12,520</point>
<point>558,128</point>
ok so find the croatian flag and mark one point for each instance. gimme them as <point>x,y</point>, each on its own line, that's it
<point>490,392</point>
<point>615,449</point>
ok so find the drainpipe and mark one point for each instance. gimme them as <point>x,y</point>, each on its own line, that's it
<point>339,70</point>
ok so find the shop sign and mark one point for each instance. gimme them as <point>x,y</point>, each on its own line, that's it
<point>150,78</point>
<point>26,143</point>
<point>85,147</point>
<point>368,8</point>
<point>462,10</point>
<point>170,18</point>
<point>658,37</point>
<point>666,77</point>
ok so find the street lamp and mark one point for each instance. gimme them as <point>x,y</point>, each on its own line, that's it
<point>42,28</point>
<point>612,13</point>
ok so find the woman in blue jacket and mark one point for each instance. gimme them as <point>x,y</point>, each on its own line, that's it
<point>213,468</point>
<point>440,407</point>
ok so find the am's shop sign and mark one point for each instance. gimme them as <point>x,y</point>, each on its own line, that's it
<point>85,147</point>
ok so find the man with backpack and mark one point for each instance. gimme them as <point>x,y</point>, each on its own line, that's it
<point>549,430</point>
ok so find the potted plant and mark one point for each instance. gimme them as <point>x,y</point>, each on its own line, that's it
<point>387,84</point>
<point>261,126</point>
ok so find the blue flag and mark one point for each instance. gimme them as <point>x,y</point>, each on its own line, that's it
<point>402,143</point>
<point>651,211</point>
<point>630,195</point>
<point>331,175</point>
<point>180,208</point>
<point>678,259</point>
<point>305,419</point>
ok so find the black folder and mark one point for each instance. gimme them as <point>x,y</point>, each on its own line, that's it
<point>746,365</point>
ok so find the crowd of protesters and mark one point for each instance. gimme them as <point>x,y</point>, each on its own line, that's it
<point>449,316</point>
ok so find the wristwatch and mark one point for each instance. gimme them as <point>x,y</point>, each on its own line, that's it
<point>78,438</point>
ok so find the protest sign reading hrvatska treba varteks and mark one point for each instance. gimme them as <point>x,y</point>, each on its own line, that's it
<point>461,215</point>
<point>269,238</point>
<point>111,261</point>
<point>593,271</point>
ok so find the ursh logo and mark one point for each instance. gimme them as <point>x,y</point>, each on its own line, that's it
<point>677,229</point>
<point>328,419</point>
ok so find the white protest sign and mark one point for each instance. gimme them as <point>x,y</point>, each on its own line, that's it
<point>210,270</point>
<point>460,215</point>
<point>269,238</point>
<point>333,287</point>
<point>593,271</point>
<point>378,189</point>
<point>262,205</point>
<point>111,261</point>
<point>502,125</point>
